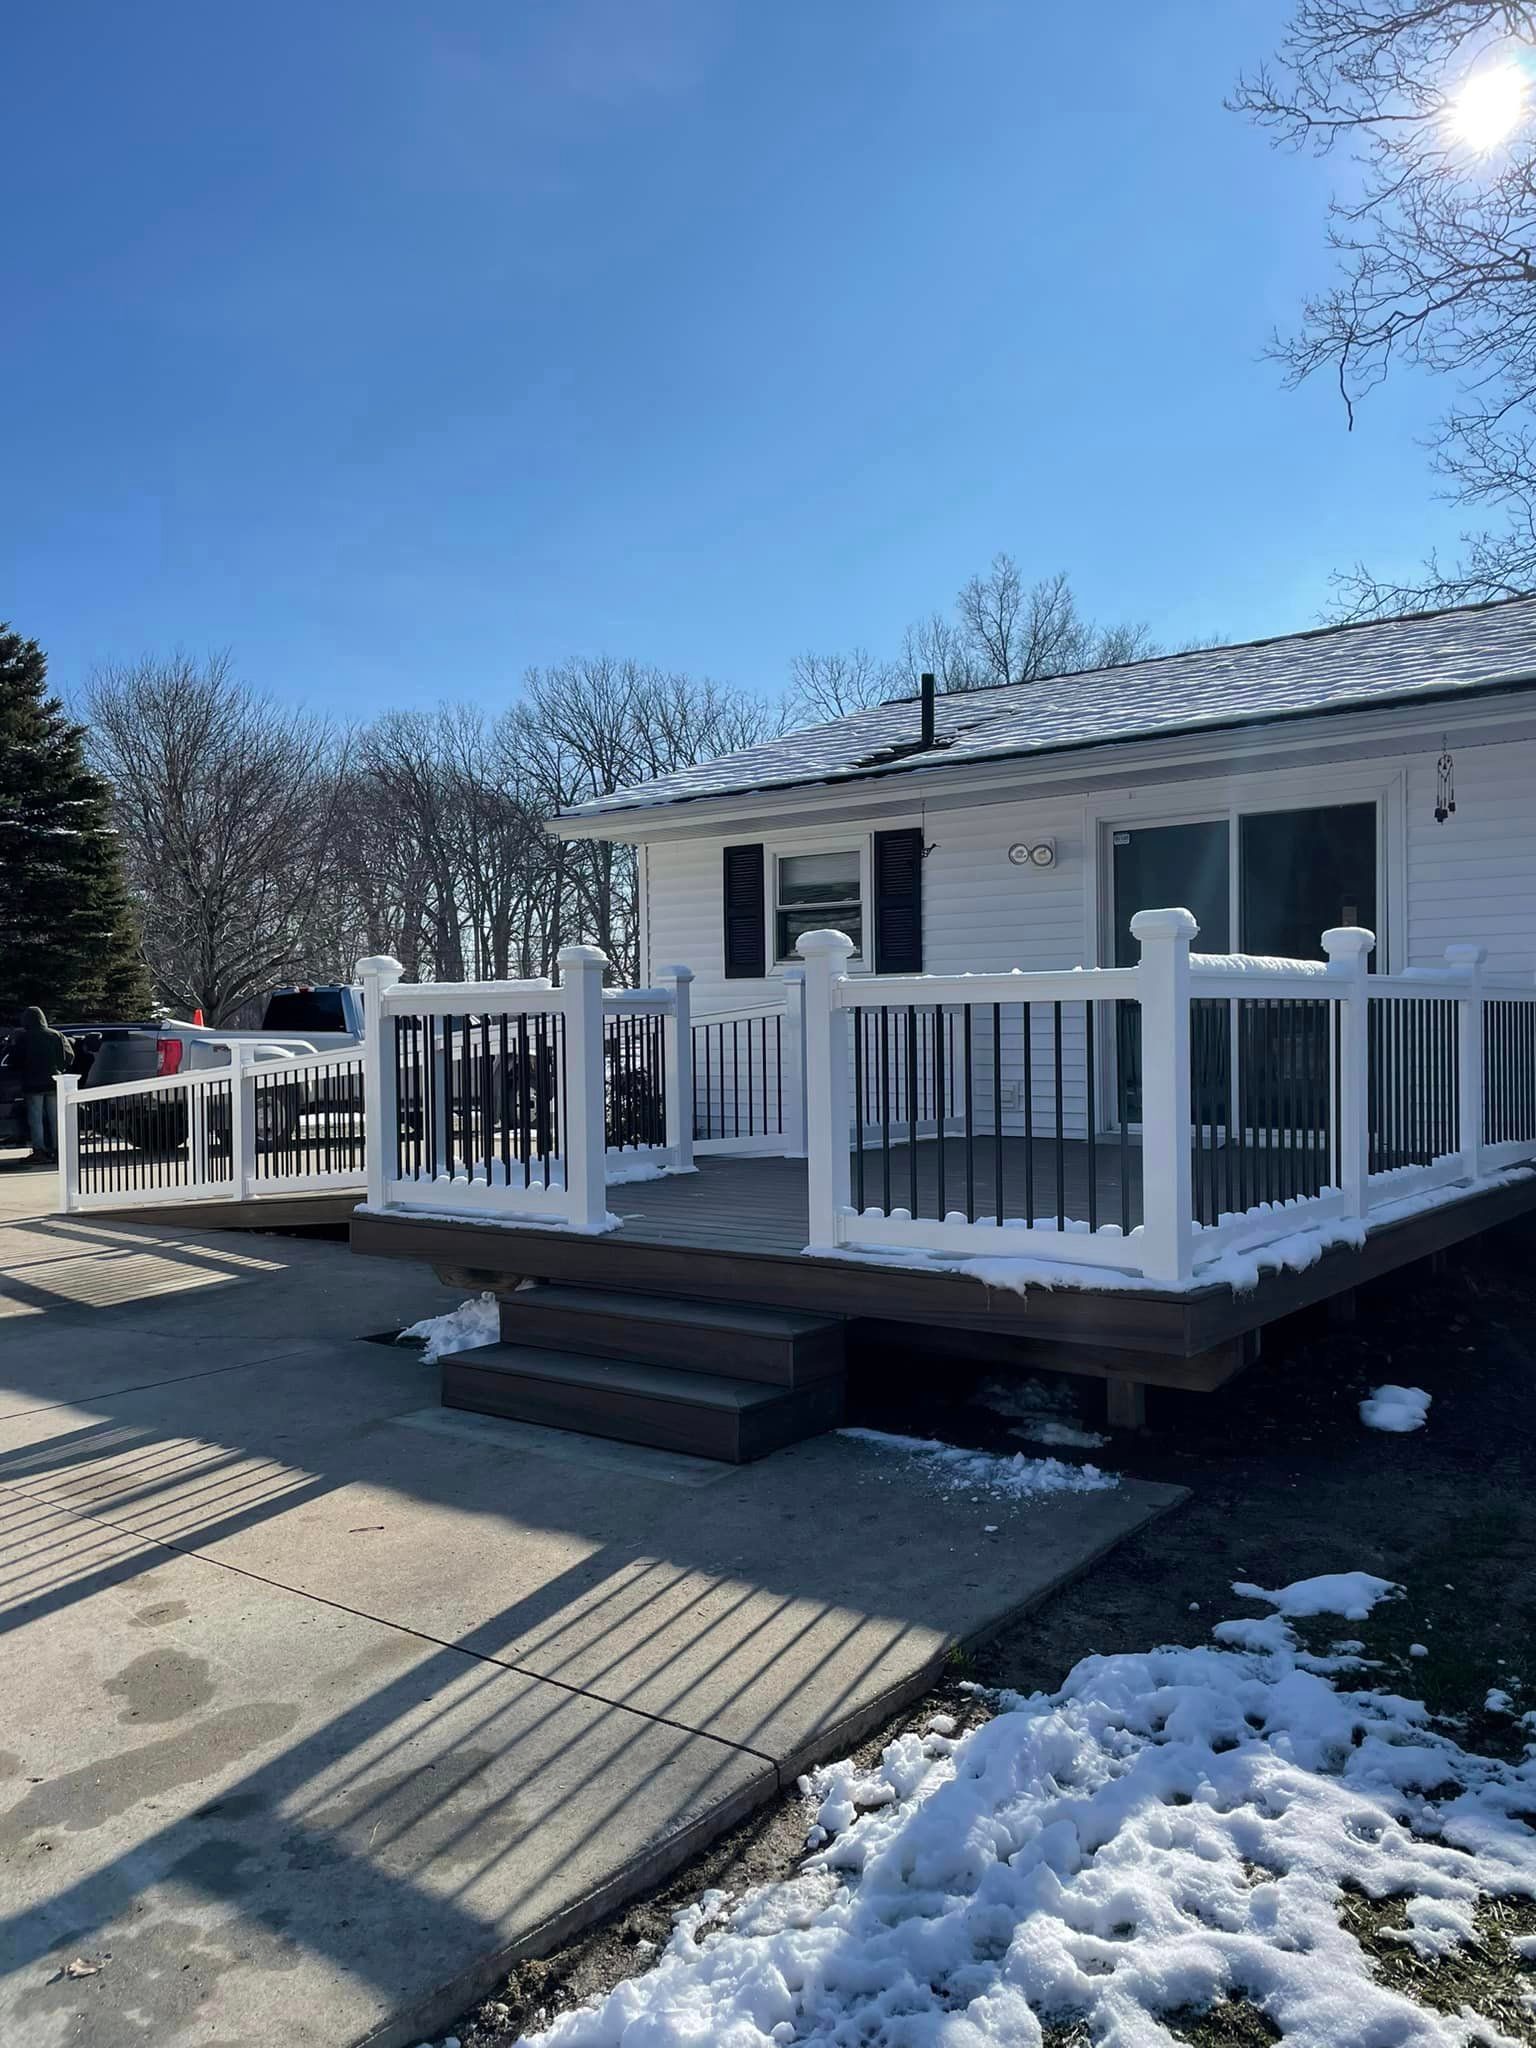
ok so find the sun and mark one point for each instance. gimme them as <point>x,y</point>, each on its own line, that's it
<point>1489,107</point>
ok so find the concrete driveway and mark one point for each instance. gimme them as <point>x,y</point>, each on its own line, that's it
<point>319,1703</point>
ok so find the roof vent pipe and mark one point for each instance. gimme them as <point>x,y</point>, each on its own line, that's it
<point>926,685</point>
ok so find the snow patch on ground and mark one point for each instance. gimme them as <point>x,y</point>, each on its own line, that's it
<point>464,1328</point>
<point>985,1475</point>
<point>1352,1594</point>
<point>1170,1827</point>
<point>1397,1409</point>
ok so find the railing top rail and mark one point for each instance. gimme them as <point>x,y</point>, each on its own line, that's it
<point>651,1001</point>
<point>306,1062</point>
<point>923,991</point>
<point>472,998</point>
<point>1278,986</point>
<point>155,1084</point>
<point>1419,981</point>
<point>747,1015</point>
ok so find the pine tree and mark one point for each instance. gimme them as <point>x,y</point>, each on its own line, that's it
<point>68,930</point>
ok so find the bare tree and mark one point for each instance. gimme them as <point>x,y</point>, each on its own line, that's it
<point>225,804</point>
<point>1016,633</point>
<point>827,686</point>
<point>937,647</point>
<point>1434,250</point>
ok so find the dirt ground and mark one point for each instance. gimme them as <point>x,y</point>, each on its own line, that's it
<point>1285,1482</point>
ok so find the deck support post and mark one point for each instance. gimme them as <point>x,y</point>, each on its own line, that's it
<point>678,1041</point>
<point>586,1109</point>
<point>1162,978</point>
<point>1349,947</point>
<point>67,1090</point>
<point>1125,1404</point>
<point>792,1087</point>
<point>826,955</point>
<point>378,975</point>
<point>1468,962</point>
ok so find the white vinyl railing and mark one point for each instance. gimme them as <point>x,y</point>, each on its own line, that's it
<point>520,1100</point>
<point>253,1128</point>
<point>1149,1118</point>
<point>1138,1119</point>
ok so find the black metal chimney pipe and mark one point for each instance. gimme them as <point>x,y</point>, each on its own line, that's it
<point>926,685</point>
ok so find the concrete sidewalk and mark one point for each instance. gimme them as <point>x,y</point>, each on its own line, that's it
<point>320,1703</point>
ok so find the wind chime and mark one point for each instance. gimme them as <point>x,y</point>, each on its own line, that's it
<point>1445,785</point>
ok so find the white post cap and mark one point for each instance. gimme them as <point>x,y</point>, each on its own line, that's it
<point>678,973</point>
<point>1466,956</point>
<point>1164,924</point>
<point>1348,941</point>
<point>810,944</point>
<point>582,956</point>
<point>381,964</point>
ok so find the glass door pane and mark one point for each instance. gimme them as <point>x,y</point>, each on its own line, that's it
<point>1162,867</point>
<point>1301,872</point>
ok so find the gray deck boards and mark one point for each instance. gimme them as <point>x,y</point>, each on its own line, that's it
<point>760,1205</point>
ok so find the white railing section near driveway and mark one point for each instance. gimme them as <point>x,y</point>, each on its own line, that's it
<point>1230,1100</point>
<point>253,1128</point>
<point>519,1100</point>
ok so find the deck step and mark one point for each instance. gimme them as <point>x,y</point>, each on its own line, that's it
<point>706,1414</point>
<point>744,1341</point>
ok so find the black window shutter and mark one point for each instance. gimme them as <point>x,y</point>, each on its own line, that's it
<point>899,902</point>
<point>745,915</point>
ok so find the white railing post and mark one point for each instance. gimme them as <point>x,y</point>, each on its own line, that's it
<point>67,1111</point>
<point>586,1109</point>
<point>826,955</point>
<point>792,1086</point>
<point>1167,1190</point>
<point>677,1037</point>
<point>1468,962</point>
<point>242,1122</point>
<point>1349,947</point>
<point>378,975</point>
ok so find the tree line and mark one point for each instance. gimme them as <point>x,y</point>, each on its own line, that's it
<point>243,843</point>
<point>264,844</point>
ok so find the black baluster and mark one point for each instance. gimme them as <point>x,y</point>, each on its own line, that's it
<point>970,1118</point>
<point>1093,1157</point>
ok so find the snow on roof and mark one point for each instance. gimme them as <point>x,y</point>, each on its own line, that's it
<point>1388,661</point>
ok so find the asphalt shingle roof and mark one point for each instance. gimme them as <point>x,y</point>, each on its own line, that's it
<point>1389,661</point>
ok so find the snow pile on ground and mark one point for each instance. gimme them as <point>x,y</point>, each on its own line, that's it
<point>1040,1414</point>
<point>463,1328</point>
<point>1169,1828</point>
<point>985,1474</point>
<point>1396,1408</point>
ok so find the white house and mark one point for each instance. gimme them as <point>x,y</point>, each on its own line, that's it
<point>927,1036</point>
<point>1275,788</point>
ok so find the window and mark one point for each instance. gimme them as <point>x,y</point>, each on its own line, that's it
<point>816,891</point>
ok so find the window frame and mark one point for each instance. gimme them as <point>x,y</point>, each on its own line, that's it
<point>861,846</point>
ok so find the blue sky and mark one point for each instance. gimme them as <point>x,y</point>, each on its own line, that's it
<point>398,347</point>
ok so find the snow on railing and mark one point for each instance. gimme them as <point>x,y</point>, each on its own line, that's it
<point>518,1100</point>
<point>253,1127</point>
<point>1150,1118</point>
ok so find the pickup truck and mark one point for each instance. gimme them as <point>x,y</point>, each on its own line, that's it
<point>295,1021</point>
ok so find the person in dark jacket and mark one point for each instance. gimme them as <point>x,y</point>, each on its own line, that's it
<point>37,1056</point>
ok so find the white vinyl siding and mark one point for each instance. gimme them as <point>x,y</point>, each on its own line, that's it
<point>1471,879</point>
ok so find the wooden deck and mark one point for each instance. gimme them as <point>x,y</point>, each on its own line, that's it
<point>736,1230</point>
